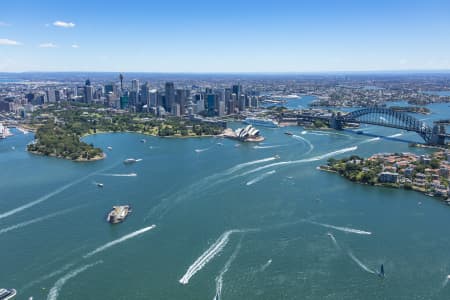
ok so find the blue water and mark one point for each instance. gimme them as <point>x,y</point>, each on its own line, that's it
<point>195,191</point>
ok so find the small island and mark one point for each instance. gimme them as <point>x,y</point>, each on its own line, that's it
<point>428,174</point>
<point>60,128</point>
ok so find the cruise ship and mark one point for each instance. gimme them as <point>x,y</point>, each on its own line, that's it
<point>6,294</point>
<point>261,122</point>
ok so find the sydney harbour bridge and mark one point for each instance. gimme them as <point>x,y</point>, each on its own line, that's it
<point>380,116</point>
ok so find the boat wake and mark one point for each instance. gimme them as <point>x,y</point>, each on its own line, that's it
<point>119,174</point>
<point>302,139</point>
<point>120,240</point>
<point>54,291</point>
<point>208,255</point>
<point>265,266</point>
<point>333,239</point>
<point>360,264</point>
<point>344,229</point>
<point>445,282</point>
<point>267,147</point>
<point>370,140</point>
<point>40,219</point>
<point>395,135</point>
<point>48,276</point>
<point>44,198</point>
<point>260,177</point>
<point>311,159</point>
<point>250,163</point>
<point>219,279</point>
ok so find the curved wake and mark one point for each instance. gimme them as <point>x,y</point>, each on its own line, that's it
<point>209,254</point>
<point>120,240</point>
<point>54,291</point>
<point>267,147</point>
<point>219,279</point>
<point>260,177</point>
<point>266,265</point>
<point>48,276</point>
<point>333,239</point>
<point>311,146</point>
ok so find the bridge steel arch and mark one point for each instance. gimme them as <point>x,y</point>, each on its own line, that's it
<point>390,118</point>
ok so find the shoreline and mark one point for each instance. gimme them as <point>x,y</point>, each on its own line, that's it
<point>95,158</point>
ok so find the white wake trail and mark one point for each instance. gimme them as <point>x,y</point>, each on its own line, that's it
<point>311,159</point>
<point>120,240</point>
<point>43,198</point>
<point>40,219</point>
<point>370,140</point>
<point>267,147</point>
<point>266,265</point>
<point>120,174</point>
<point>250,163</point>
<point>48,276</point>
<point>395,135</point>
<point>54,291</point>
<point>344,229</point>
<point>209,254</point>
<point>363,266</point>
<point>311,146</point>
<point>260,177</point>
<point>333,239</point>
<point>219,279</point>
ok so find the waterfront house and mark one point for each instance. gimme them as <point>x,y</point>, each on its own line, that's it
<point>388,177</point>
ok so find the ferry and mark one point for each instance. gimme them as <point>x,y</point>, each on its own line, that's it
<point>118,214</point>
<point>261,122</point>
<point>6,294</point>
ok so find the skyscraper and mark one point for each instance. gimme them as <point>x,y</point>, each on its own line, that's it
<point>135,85</point>
<point>170,96</point>
<point>180,99</point>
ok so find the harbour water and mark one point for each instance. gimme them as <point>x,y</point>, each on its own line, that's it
<point>232,222</point>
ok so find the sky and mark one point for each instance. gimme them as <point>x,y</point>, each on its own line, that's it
<point>224,36</point>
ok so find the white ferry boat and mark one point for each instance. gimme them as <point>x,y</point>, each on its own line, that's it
<point>261,122</point>
<point>6,294</point>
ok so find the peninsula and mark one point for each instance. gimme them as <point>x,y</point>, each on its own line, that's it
<point>428,174</point>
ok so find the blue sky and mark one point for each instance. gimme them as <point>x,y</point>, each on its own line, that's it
<point>224,36</point>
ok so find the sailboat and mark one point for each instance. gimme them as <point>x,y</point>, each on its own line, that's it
<point>381,273</point>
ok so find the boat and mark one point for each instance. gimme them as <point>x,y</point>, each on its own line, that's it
<point>118,214</point>
<point>143,141</point>
<point>261,122</point>
<point>109,148</point>
<point>7,294</point>
<point>99,184</point>
<point>381,273</point>
<point>288,133</point>
<point>129,161</point>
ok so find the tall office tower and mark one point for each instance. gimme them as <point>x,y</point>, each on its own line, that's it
<point>221,109</point>
<point>88,93</point>
<point>237,89</point>
<point>50,93</point>
<point>133,99</point>
<point>170,95</point>
<point>144,97</point>
<point>180,98</point>
<point>211,104</point>
<point>153,98</point>
<point>135,85</point>
<point>59,95</point>
<point>241,102</point>
<point>109,88</point>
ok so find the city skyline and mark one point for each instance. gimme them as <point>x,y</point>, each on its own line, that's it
<point>225,37</point>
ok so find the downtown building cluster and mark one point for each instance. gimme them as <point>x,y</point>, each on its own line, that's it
<point>163,99</point>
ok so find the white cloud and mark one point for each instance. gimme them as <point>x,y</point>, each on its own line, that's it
<point>75,46</point>
<point>63,24</point>
<point>8,42</point>
<point>47,45</point>
<point>4,24</point>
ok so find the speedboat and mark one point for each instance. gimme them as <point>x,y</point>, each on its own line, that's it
<point>99,184</point>
<point>6,294</point>
<point>129,161</point>
<point>288,133</point>
<point>109,148</point>
<point>143,141</point>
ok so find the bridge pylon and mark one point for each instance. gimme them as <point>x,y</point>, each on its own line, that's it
<point>437,135</point>
<point>336,121</point>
